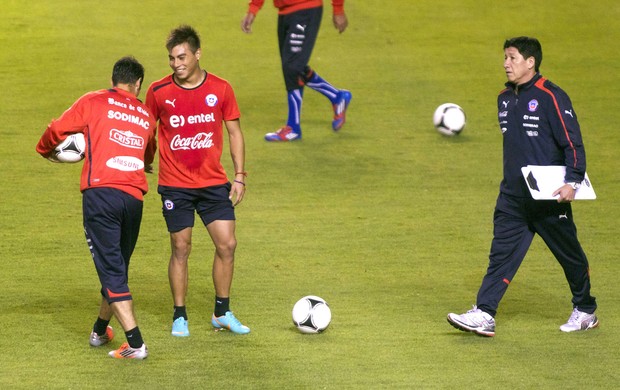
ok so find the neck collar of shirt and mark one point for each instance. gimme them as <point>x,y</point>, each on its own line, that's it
<point>520,87</point>
<point>122,92</point>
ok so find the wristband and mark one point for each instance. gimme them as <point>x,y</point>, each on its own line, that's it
<point>240,182</point>
<point>244,173</point>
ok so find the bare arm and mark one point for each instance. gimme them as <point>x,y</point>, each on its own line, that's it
<point>237,152</point>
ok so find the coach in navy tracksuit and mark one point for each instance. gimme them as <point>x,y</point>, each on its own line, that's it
<point>539,127</point>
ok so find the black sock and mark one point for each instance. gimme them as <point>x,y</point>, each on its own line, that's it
<point>134,338</point>
<point>179,311</point>
<point>100,326</point>
<point>222,305</point>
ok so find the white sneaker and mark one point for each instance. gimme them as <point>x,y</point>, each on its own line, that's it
<point>579,320</point>
<point>126,352</point>
<point>97,341</point>
<point>475,320</point>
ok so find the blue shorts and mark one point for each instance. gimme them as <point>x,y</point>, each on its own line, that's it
<point>180,205</point>
<point>112,221</point>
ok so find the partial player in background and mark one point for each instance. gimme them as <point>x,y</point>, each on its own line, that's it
<point>191,105</point>
<point>539,127</point>
<point>298,28</point>
<point>117,128</point>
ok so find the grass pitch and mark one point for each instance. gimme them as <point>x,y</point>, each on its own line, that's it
<point>386,220</point>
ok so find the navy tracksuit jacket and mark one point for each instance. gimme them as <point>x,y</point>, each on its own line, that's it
<point>539,127</point>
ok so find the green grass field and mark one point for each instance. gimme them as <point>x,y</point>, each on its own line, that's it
<point>387,220</point>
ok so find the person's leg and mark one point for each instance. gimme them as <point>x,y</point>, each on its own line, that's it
<point>134,348</point>
<point>555,225</point>
<point>297,34</point>
<point>181,245</point>
<point>111,232</point>
<point>557,228</point>
<point>512,238</point>
<point>218,215</point>
<point>223,235</point>
<point>102,332</point>
<point>178,210</point>
<point>178,276</point>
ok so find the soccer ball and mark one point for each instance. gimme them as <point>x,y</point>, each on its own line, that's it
<point>311,314</point>
<point>71,150</point>
<point>449,119</point>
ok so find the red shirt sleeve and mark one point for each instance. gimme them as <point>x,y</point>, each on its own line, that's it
<point>255,6</point>
<point>73,120</point>
<point>151,147</point>
<point>338,6</point>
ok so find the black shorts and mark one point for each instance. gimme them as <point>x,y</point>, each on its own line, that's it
<point>111,223</point>
<point>211,204</point>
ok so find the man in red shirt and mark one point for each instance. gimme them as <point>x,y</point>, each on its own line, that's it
<point>191,105</point>
<point>298,28</point>
<point>117,128</point>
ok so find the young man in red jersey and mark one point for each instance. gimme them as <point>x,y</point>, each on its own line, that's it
<point>191,105</point>
<point>298,28</point>
<point>117,128</point>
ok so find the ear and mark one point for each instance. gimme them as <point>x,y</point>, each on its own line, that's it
<point>198,54</point>
<point>531,62</point>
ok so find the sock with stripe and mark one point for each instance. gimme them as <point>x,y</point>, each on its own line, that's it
<point>295,99</point>
<point>316,82</point>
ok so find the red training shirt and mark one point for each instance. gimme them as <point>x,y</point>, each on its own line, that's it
<point>117,128</point>
<point>190,134</point>
<point>286,7</point>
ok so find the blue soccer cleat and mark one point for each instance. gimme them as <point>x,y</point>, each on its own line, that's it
<point>340,109</point>
<point>179,327</point>
<point>230,322</point>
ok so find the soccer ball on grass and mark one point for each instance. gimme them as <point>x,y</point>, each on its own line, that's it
<point>449,119</point>
<point>311,314</point>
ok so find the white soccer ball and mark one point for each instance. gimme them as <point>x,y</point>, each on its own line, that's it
<point>449,119</point>
<point>71,150</point>
<point>311,314</point>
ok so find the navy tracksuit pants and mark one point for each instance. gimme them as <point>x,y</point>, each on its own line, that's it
<point>112,221</point>
<point>297,33</point>
<point>515,221</point>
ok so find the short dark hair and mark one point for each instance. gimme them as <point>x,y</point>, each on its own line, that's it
<point>127,70</point>
<point>183,34</point>
<point>528,47</point>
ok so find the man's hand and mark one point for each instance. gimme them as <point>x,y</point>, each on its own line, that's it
<point>246,23</point>
<point>566,192</point>
<point>237,191</point>
<point>340,22</point>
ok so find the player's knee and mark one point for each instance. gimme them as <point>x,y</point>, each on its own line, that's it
<point>181,249</point>
<point>226,249</point>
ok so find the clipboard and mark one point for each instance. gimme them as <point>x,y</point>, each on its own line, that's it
<point>544,180</point>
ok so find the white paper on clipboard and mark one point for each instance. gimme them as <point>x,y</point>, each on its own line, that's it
<point>543,181</point>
